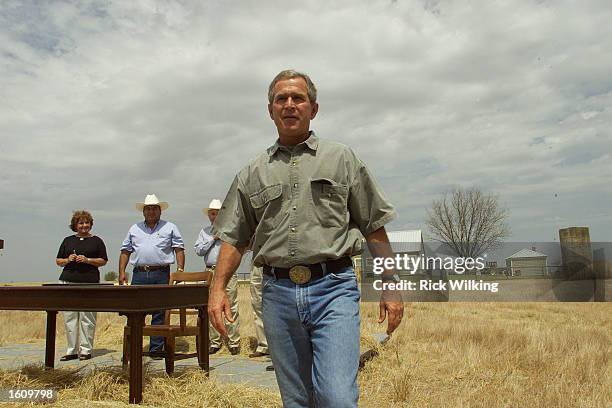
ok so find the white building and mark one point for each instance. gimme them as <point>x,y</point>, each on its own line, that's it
<point>527,262</point>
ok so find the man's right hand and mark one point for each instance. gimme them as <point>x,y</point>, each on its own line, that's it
<point>124,258</point>
<point>218,308</point>
<point>122,278</point>
<point>218,302</point>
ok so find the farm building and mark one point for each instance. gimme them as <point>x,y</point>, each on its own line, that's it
<point>527,262</point>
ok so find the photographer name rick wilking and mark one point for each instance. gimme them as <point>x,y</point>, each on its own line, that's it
<point>428,284</point>
<point>412,264</point>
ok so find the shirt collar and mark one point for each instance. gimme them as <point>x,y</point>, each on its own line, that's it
<point>312,143</point>
<point>159,224</point>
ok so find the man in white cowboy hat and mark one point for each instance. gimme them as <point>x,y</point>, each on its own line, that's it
<point>152,246</point>
<point>208,246</point>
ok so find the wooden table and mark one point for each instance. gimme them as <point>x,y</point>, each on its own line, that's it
<point>133,301</point>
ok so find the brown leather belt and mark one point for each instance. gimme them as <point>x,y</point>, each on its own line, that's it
<point>301,274</point>
<point>148,268</point>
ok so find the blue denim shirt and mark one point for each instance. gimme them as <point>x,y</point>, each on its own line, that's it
<point>152,246</point>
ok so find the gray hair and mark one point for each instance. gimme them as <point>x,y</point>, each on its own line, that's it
<point>289,74</point>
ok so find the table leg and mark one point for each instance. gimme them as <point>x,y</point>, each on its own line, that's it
<point>203,358</point>
<point>50,341</point>
<point>135,322</point>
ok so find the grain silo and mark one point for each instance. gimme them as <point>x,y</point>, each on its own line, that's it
<point>576,252</point>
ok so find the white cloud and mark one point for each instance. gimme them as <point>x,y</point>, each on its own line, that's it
<point>106,102</point>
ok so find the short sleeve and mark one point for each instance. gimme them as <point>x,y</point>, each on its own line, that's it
<point>368,207</point>
<point>177,239</point>
<point>126,245</point>
<point>236,222</point>
<point>61,253</point>
<point>102,249</point>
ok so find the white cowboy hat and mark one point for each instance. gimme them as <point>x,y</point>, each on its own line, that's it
<point>215,204</point>
<point>151,199</point>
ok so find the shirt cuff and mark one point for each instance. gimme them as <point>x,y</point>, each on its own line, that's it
<point>387,218</point>
<point>225,238</point>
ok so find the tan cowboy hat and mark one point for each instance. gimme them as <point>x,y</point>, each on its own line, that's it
<point>215,204</point>
<point>151,199</point>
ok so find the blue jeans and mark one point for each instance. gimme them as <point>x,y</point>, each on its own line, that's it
<point>156,343</point>
<point>313,339</point>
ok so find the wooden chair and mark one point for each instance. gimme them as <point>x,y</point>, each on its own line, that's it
<point>171,331</point>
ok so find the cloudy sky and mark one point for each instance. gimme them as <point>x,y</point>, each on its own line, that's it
<point>103,102</point>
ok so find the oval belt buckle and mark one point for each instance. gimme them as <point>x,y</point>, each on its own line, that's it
<point>299,274</point>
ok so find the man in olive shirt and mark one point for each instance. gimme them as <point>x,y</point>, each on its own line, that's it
<point>306,202</point>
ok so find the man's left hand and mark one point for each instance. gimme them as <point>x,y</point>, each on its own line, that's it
<point>391,305</point>
<point>218,308</point>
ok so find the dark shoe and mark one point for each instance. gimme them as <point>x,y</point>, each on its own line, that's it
<point>69,357</point>
<point>157,355</point>
<point>270,368</point>
<point>234,350</point>
<point>258,354</point>
<point>213,350</point>
<point>85,357</point>
<point>367,356</point>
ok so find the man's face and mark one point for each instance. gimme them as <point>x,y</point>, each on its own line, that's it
<point>291,109</point>
<point>212,215</point>
<point>151,213</point>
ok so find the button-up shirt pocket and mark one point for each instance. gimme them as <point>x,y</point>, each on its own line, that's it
<point>329,202</point>
<point>162,239</point>
<point>268,206</point>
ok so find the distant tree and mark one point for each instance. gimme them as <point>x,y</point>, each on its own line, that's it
<point>110,276</point>
<point>469,221</point>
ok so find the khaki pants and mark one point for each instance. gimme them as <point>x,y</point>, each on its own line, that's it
<point>233,329</point>
<point>256,280</point>
<point>80,329</point>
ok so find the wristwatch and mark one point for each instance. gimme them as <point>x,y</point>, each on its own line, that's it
<point>180,270</point>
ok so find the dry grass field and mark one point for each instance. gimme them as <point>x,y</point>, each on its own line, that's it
<point>443,355</point>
